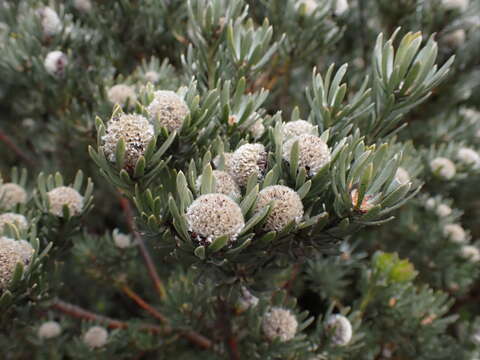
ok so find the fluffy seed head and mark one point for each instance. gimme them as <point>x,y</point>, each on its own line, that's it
<point>340,7</point>
<point>470,252</point>
<point>135,130</point>
<point>51,24</point>
<point>468,156</point>
<point>65,195</point>
<point>443,210</point>
<point>49,330</point>
<point>121,93</point>
<point>224,184</point>
<point>248,160</point>
<point>455,233</point>
<point>152,76</point>
<point>460,5</point>
<point>402,176</point>
<point>168,110</point>
<point>82,5</point>
<point>257,129</point>
<point>12,194</point>
<point>297,128</point>
<point>444,167</point>
<point>95,337</point>
<point>55,63</point>
<point>279,323</point>
<point>228,164</point>
<point>214,215</point>
<point>121,240</point>
<point>18,220</point>
<point>286,206</point>
<point>12,252</point>
<point>341,329</point>
<point>313,153</point>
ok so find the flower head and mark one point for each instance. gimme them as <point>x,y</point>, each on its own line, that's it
<point>443,210</point>
<point>279,323</point>
<point>340,7</point>
<point>257,129</point>
<point>470,252</point>
<point>341,329</point>
<point>455,232</point>
<point>313,152</point>
<point>12,194</point>
<point>224,184</point>
<point>168,110</point>
<point>248,160</point>
<point>18,220</point>
<point>64,195</point>
<point>468,156</point>
<point>82,5</point>
<point>213,215</point>
<point>444,167</point>
<point>95,337</point>
<point>135,130</point>
<point>286,206</point>
<point>12,252</point>
<point>121,240</point>
<point>152,76</point>
<point>55,63</point>
<point>49,20</point>
<point>49,330</point>
<point>121,93</point>
<point>228,157</point>
<point>297,128</point>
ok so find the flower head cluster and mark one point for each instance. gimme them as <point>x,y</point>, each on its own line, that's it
<point>340,7</point>
<point>121,94</point>
<point>444,167</point>
<point>228,164</point>
<point>121,240</point>
<point>95,337</point>
<point>340,328</point>
<point>168,109</point>
<point>49,330</point>
<point>82,5</point>
<point>470,252</point>
<point>12,252</point>
<point>51,24</point>
<point>455,233</point>
<point>64,196</point>
<point>12,194</point>
<point>279,323</point>
<point>297,128</point>
<point>135,130</point>
<point>313,153</point>
<point>248,160</point>
<point>224,184</point>
<point>469,157</point>
<point>286,206</point>
<point>55,63</point>
<point>18,220</point>
<point>152,76</point>
<point>443,210</point>
<point>213,215</point>
<point>257,129</point>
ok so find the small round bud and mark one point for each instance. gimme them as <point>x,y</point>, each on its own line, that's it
<point>152,76</point>
<point>340,7</point>
<point>430,203</point>
<point>83,6</point>
<point>12,194</point>
<point>168,109</point>
<point>443,210</point>
<point>248,160</point>
<point>468,156</point>
<point>460,5</point>
<point>279,323</point>
<point>247,300</point>
<point>402,176</point>
<point>136,132</point>
<point>121,94</point>
<point>313,153</point>
<point>297,128</point>
<point>64,195</point>
<point>286,206</point>
<point>214,215</point>
<point>12,252</point>
<point>224,184</point>
<point>470,252</point>
<point>95,337</point>
<point>18,220</point>
<point>257,129</point>
<point>121,240</point>
<point>55,63</point>
<point>340,328</point>
<point>444,167</point>
<point>49,20</point>
<point>228,157</point>
<point>455,38</point>
<point>49,330</point>
<point>455,233</point>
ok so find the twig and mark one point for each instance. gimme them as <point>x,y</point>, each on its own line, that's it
<point>152,271</point>
<point>143,304</point>
<point>11,144</point>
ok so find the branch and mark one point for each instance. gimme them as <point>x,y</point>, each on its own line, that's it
<point>11,144</point>
<point>143,304</point>
<point>152,271</point>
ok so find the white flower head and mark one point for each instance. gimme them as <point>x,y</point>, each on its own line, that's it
<point>135,130</point>
<point>152,76</point>
<point>340,7</point>
<point>460,5</point>
<point>12,194</point>
<point>224,184</point>
<point>55,63</point>
<point>65,195</point>
<point>444,167</point>
<point>213,215</point>
<point>279,323</point>
<point>82,5</point>
<point>468,156</point>
<point>455,233</point>
<point>313,152</point>
<point>227,161</point>
<point>121,240</point>
<point>49,20</point>
<point>49,330</point>
<point>340,328</point>
<point>297,128</point>
<point>168,109</point>
<point>248,160</point>
<point>12,252</point>
<point>286,206</point>
<point>95,337</point>
<point>430,203</point>
<point>18,220</point>
<point>121,93</point>
<point>257,129</point>
<point>470,252</point>
<point>443,210</point>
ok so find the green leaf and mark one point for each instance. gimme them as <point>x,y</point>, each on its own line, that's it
<point>218,244</point>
